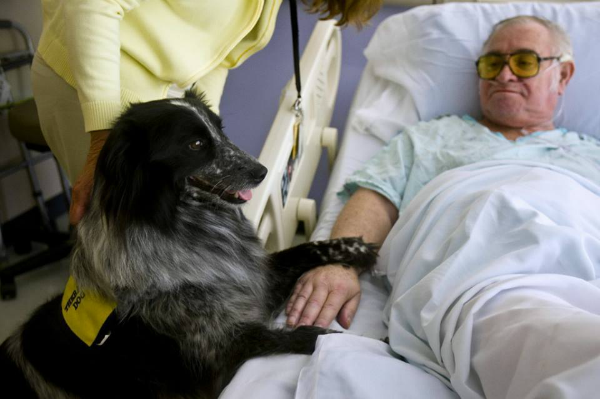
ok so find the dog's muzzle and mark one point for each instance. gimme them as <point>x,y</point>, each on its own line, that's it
<point>233,193</point>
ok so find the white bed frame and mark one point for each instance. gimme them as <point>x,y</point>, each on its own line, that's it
<point>276,222</point>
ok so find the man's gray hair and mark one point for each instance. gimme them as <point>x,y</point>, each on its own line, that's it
<point>560,37</point>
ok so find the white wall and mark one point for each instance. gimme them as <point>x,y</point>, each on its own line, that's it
<point>15,191</point>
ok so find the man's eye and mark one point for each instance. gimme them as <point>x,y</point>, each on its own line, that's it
<point>196,145</point>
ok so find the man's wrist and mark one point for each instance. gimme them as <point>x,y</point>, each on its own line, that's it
<point>357,271</point>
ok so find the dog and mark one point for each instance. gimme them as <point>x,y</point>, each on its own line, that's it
<point>164,240</point>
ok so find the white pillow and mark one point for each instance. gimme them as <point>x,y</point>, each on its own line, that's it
<point>430,53</point>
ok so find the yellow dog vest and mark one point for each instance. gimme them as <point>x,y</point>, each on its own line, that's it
<point>86,313</point>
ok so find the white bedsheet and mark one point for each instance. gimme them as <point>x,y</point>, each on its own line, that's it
<point>277,376</point>
<point>346,366</point>
<point>355,364</point>
<point>494,269</point>
<point>495,293</point>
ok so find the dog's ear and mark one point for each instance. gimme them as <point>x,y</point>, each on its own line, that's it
<point>201,96</point>
<point>129,186</point>
<point>192,94</point>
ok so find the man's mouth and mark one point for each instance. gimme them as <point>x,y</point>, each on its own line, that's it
<point>506,91</point>
<point>232,196</point>
<point>510,89</point>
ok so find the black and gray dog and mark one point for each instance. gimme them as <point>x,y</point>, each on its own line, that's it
<point>165,239</point>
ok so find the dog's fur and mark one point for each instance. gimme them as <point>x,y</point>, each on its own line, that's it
<point>165,238</point>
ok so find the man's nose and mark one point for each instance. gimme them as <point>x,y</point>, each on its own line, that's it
<point>506,75</point>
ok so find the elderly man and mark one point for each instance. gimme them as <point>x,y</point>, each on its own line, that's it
<point>470,317</point>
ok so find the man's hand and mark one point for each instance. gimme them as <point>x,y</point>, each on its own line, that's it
<point>322,294</point>
<point>82,188</point>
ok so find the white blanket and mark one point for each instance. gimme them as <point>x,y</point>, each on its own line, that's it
<point>495,291</point>
<point>484,256</point>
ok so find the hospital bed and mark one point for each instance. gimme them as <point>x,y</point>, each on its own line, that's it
<point>420,66</point>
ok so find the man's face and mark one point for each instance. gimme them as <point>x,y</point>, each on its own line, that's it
<point>517,102</point>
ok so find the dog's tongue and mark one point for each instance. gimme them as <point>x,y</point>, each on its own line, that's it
<point>246,195</point>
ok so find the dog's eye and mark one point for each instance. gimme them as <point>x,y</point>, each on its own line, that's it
<point>196,145</point>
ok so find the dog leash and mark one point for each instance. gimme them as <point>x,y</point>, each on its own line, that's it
<point>298,103</point>
<point>296,52</point>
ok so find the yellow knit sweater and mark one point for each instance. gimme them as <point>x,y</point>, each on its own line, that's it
<point>115,52</point>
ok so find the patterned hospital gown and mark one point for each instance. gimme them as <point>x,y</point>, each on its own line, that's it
<point>419,153</point>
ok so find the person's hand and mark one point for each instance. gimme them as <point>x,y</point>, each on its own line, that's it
<point>322,294</point>
<point>82,188</point>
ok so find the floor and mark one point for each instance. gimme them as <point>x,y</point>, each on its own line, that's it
<point>33,288</point>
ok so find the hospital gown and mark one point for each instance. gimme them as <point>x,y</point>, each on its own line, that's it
<point>420,153</point>
<point>494,267</point>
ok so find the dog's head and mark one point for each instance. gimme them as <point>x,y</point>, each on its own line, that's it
<point>161,151</point>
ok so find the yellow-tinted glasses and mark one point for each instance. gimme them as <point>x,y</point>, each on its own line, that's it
<point>523,64</point>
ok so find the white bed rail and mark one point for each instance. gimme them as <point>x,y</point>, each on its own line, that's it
<point>275,214</point>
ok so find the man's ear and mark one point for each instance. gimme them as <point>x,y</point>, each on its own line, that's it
<point>567,69</point>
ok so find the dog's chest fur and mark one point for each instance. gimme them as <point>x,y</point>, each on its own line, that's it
<point>208,272</point>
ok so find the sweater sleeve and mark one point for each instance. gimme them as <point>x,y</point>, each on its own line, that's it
<point>94,46</point>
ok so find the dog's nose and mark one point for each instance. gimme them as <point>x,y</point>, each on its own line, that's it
<point>259,172</point>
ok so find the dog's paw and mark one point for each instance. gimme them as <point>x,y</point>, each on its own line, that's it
<point>352,252</point>
<point>317,330</point>
<point>303,339</point>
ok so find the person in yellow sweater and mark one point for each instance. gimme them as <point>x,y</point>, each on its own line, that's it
<point>97,56</point>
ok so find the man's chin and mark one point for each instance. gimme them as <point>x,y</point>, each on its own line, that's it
<point>509,118</point>
<point>506,101</point>
<point>505,114</point>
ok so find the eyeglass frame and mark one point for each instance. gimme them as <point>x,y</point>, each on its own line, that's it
<point>506,61</point>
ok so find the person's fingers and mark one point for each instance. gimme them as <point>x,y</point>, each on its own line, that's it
<point>81,195</point>
<point>314,304</point>
<point>75,212</point>
<point>346,315</point>
<point>82,189</point>
<point>334,302</point>
<point>299,303</point>
<point>79,201</point>
<point>297,288</point>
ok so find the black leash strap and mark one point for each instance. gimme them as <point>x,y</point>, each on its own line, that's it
<point>294,18</point>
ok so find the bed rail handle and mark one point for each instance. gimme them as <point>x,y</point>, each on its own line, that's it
<point>265,228</point>
<point>329,137</point>
<point>307,213</point>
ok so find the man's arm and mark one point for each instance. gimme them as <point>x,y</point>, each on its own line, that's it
<point>333,290</point>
